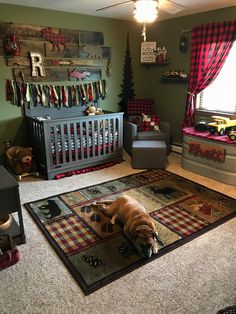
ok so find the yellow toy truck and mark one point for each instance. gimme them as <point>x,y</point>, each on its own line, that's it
<point>221,125</point>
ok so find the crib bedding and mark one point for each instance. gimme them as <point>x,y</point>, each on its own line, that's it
<point>87,142</point>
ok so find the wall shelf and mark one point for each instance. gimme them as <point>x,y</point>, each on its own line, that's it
<point>174,80</point>
<point>154,63</point>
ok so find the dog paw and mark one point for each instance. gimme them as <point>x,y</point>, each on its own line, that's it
<point>113,219</point>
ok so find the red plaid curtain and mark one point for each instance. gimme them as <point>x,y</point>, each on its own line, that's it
<point>210,46</point>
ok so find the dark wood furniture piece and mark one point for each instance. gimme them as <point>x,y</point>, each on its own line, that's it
<point>68,140</point>
<point>10,203</point>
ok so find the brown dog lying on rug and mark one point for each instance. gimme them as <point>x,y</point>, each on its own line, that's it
<point>138,225</point>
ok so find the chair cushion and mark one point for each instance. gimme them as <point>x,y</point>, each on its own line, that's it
<point>150,136</point>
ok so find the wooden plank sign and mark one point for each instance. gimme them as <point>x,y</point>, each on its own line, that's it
<point>106,52</point>
<point>53,54</point>
<point>27,46</point>
<point>52,75</point>
<point>87,37</point>
<point>72,51</point>
<point>90,51</point>
<point>55,62</point>
<point>85,74</point>
<point>23,31</point>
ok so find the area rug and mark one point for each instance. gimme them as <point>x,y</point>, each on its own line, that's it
<point>96,252</point>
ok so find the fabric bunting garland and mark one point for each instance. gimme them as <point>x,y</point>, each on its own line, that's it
<point>19,93</point>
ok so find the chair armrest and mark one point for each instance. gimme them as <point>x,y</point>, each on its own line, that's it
<point>165,127</point>
<point>130,132</point>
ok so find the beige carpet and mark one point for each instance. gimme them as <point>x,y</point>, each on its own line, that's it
<point>199,277</point>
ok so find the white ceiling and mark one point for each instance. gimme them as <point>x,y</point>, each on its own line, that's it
<point>123,11</point>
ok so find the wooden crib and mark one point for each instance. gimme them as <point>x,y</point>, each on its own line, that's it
<point>64,140</point>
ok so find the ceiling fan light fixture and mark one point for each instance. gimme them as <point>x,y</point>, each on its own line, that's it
<point>145,11</point>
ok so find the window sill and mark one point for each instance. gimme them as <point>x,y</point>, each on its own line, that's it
<point>201,112</point>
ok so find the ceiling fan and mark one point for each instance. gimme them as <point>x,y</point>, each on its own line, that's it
<point>165,5</point>
<point>146,11</point>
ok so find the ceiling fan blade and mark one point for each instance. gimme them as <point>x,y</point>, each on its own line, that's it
<point>171,7</point>
<point>114,5</point>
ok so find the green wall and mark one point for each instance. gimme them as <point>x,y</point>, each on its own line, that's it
<point>170,99</point>
<point>115,34</point>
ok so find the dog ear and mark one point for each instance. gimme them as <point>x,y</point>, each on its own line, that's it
<point>156,236</point>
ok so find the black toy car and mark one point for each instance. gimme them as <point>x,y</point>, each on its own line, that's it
<point>201,126</point>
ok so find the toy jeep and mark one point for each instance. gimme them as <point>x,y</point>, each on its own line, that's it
<point>221,125</point>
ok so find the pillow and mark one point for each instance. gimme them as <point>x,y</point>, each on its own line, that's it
<point>146,117</point>
<point>150,122</point>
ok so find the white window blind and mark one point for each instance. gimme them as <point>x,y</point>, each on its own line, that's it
<point>220,95</point>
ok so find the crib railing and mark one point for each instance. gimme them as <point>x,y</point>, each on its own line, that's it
<point>62,145</point>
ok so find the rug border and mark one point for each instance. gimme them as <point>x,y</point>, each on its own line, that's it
<point>88,289</point>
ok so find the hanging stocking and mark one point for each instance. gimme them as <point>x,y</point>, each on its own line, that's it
<point>19,92</point>
<point>104,83</point>
<point>64,96</point>
<point>95,96</point>
<point>83,94</point>
<point>46,91</point>
<point>42,95</point>
<point>73,95</point>
<point>52,97</point>
<point>90,92</point>
<point>9,90</point>
<point>58,95</point>
<point>34,94</point>
<point>100,87</point>
<point>38,97</point>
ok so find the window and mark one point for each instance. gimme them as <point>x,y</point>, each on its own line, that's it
<point>220,95</point>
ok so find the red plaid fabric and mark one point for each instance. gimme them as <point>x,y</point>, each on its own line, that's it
<point>145,126</point>
<point>150,125</point>
<point>179,221</point>
<point>210,46</point>
<point>155,118</point>
<point>71,234</point>
<point>215,137</point>
<point>53,37</point>
<point>139,106</point>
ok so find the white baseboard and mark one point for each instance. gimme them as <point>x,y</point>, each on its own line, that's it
<point>176,149</point>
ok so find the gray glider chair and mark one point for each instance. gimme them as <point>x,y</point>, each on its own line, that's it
<point>135,129</point>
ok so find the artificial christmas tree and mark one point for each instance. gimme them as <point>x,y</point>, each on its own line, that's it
<point>127,90</point>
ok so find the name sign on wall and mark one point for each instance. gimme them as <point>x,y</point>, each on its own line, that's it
<point>148,54</point>
<point>46,54</point>
<point>207,151</point>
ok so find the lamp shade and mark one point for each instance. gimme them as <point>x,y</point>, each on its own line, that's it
<point>145,11</point>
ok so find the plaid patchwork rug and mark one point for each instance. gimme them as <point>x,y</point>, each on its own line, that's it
<point>96,252</point>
